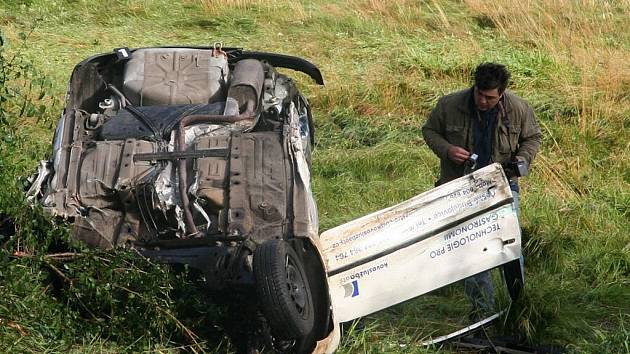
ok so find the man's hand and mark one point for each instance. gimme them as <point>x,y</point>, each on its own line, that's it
<point>458,154</point>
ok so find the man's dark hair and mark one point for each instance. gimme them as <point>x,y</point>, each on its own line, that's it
<point>490,76</point>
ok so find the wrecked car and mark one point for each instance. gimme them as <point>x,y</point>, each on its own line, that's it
<point>201,156</point>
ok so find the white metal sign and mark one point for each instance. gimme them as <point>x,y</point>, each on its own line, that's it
<point>434,239</point>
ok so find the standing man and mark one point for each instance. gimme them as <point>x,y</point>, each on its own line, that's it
<point>498,126</point>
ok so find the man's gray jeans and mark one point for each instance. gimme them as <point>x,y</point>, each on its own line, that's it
<point>479,288</point>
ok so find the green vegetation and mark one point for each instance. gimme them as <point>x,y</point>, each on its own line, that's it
<point>385,63</point>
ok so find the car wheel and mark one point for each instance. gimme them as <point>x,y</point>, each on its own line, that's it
<point>283,290</point>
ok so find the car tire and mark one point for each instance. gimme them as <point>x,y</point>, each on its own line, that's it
<point>283,290</point>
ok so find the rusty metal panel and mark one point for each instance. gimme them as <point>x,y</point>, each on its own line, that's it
<point>130,171</point>
<point>212,171</point>
<point>99,168</point>
<point>259,186</point>
<point>156,76</point>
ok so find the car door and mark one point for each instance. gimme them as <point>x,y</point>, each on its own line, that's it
<point>437,238</point>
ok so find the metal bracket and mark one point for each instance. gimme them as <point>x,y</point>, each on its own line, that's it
<point>176,155</point>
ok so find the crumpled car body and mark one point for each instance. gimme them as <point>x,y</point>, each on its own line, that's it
<point>201,156</point>
<point>198,156</point>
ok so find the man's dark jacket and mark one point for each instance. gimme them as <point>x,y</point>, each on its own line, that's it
<point>450,123</point>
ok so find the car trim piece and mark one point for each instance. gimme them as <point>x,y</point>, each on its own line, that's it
<point>285,61</point>
<point>464,330</point>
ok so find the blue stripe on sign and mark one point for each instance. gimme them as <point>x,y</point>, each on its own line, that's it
<point>355,288</point>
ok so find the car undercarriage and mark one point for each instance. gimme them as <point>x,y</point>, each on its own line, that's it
<point>201,157</point>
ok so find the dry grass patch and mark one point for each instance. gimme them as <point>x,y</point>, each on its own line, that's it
<point>404,13</point>
<point>589,37</point>
<point>294,8</point>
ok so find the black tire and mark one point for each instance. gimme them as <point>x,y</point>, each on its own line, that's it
<point>283,290</point>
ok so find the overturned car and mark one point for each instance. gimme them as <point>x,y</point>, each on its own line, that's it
<point>201,156</point>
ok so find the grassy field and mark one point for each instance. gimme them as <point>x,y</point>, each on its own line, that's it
<point>385,64</point>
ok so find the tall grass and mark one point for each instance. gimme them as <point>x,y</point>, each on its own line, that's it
<point>385,64</point>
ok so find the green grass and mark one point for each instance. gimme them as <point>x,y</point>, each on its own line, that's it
<point>385,65</point>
